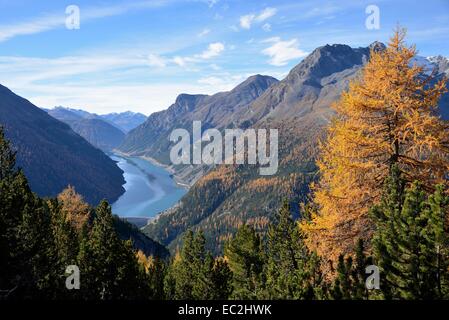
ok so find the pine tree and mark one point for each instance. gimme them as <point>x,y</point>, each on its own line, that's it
<point>349,282</point>
<point>245,257</point>
<point>410,242</point>
<point>25,233</point>
<point>191,275</point>
<point>388,116</point>
<point>12,187</point>
<point>157,271</point>
<point>37,248</point>
<point>64,251</point>
<point>288,275</point>
<point>222,279</point>
<point>109,267</point>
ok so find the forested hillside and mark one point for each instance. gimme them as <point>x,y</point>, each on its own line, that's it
<point>53,156</point>
<point>300,107</point>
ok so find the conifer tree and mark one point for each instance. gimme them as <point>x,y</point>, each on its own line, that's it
<point>349,283</point>
<point>222,279</point>
<point>410,242</point>
<point>156,272</point>
<point>245,257</point>
<point>25,233</point>
<point>12,187</point>
<point>109,266</point>
<point>388,117</point>
<point>66,248</point>
<point>37,248</point>
<point>288,274</point>
<point>192,272</point>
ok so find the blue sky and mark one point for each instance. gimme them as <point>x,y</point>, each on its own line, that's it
<point>139,55</point>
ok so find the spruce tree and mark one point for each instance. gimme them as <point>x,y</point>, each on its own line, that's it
<point>12,188</point>
<point>222,279</point>
<point>192,273</point>
<point>244,254</point>
<point>25,233</point>
<point>109,266</point>
<point>289,272</point>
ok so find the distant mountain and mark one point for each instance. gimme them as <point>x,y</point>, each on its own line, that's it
<point>100,133</point>
<point>53,156</point>
<point>219,110</point>
<point>126,121</point>
<point>299,107</point>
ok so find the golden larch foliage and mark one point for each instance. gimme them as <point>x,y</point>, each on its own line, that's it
<point>74,207</point>
<point>388,116</point>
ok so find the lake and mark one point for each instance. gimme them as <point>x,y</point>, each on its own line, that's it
<point>149,189</point>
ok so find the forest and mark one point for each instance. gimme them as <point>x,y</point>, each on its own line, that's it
<point>380,202</point>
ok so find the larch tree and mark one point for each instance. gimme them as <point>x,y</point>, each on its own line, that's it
<point>387,117</point>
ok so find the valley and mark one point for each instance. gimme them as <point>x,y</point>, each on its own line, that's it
<point>149,189</point>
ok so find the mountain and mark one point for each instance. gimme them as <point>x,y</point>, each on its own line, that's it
<point>53,156</point>
<point>126,121</point>
<point>94,129</point>
<point>127,231</point>
<point>151,139</point>
<point>299,106</point>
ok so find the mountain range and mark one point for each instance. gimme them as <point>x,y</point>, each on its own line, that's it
<point>105,132</point>
<point>151,139</point>
<point>53,156</point>
<point>224,197</point>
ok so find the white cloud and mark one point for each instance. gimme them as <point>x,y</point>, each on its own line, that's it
<point>48,82</point>
<point>204,32</point>
<point>265,14</point>
<point>281,52</point>
<point>213,50</point>
<point>221,82</point>
<point>266,27</point>
<point>180,61</point>
<point>155,60</point>
<point>30,27</point>
<point>146,98</point>
<point>57,20</point>
<point>247,20</point>
<point>211,3</point>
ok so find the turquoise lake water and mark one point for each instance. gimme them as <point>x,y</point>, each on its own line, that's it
<point>149,189</point>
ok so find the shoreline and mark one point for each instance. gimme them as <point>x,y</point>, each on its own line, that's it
<point>178,181</point>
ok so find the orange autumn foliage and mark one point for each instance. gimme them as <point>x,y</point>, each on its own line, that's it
<point>388,116</point>
<point>73,206</point>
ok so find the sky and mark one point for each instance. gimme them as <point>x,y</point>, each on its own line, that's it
<point>139,55</point>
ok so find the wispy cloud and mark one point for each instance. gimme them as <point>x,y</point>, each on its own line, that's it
<point>57,20</point>
<point>247,20</point>
<point>213,50</point>
<point>281,52</point>
<point>266,27</point>
<point>156,61</point>
<point>204,32</point>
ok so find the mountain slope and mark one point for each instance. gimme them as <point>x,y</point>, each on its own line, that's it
<point>151,139</point>
<point>97,131</point>
<point>53,156</point>
<point>127,231</point>
<point>299,107</point>
<point>126,121</point>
